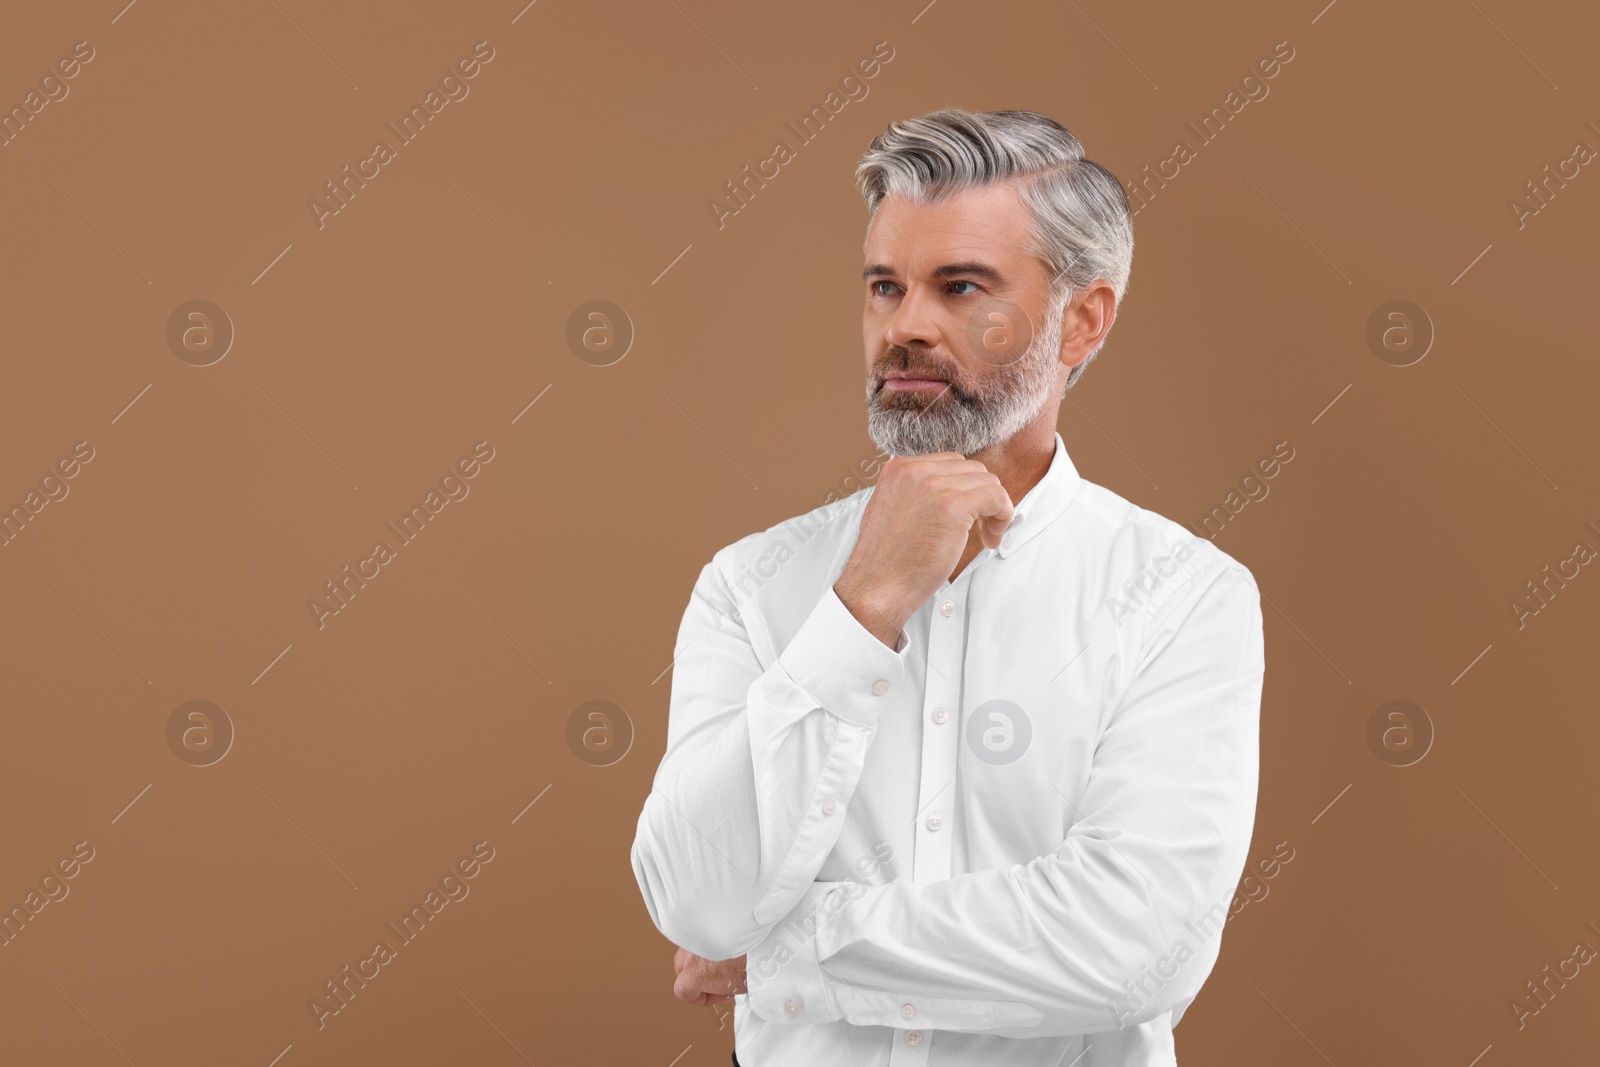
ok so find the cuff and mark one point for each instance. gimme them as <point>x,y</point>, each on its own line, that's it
<point>841,665</point>
<point>783,972</point>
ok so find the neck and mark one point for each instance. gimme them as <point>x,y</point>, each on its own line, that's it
<point>1019,462</point>
<point>1022,460</point>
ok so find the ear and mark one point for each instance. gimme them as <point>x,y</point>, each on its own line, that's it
<point>1086,322</point>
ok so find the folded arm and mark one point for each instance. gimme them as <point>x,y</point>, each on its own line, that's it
<point>760,766</point>
<point>1084,939</point>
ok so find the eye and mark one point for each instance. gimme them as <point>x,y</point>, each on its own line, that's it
<point>877,291</point>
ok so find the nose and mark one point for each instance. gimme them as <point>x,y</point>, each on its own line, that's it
<point>915,320</point>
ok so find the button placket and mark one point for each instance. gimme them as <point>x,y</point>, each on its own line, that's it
<point>931,671</point>
<point>940,746</point>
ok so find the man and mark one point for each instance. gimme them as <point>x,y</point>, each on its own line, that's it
<point>961,769</point>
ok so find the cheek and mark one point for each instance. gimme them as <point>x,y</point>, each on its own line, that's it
<point>874,324</point>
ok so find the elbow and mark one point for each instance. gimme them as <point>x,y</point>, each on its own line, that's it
<point>682,913</point>
<point>1149,997</point>
<point>1165,976</point>
<point>712,944</point>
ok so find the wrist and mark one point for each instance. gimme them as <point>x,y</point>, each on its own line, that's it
<point>877,614</point>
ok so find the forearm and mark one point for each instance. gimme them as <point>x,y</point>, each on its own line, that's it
<point>751,795</point>
<point>1018,952</point>
<point>1118,924</point>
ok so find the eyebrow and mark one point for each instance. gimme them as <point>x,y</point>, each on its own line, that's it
<point>979,270</point>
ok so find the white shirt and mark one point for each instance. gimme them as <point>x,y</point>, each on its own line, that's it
<point>1012,840</point>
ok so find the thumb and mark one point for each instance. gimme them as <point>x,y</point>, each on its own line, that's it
<point>991,528</point>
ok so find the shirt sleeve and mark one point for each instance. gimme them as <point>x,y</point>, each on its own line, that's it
<point>750,795</point>
<point>1088,938</point>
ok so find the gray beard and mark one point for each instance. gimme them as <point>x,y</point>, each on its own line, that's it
<point>958,419</point>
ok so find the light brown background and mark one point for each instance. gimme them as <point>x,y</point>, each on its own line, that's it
<point>430,312</point>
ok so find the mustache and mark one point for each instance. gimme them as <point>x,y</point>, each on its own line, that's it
<point>901,359</point>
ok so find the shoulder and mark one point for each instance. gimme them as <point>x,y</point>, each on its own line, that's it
<point>1146,556</point>
<point>799,545</point>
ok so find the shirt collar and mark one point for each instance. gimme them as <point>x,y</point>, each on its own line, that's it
<point>1041,505</point>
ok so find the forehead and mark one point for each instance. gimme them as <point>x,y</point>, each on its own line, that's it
<point>987,224</point>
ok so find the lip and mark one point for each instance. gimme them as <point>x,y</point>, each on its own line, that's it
<point>906,382</point>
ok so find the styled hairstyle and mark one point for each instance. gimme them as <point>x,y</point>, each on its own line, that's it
<point>1080,227</point>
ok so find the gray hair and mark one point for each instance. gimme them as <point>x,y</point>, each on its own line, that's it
<point>1082,227</point>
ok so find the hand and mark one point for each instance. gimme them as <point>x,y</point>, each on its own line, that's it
<point>913,533</point>
<point>702,982</point>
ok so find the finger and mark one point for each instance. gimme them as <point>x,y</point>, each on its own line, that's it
<point>930,464</point>
<point>940,462</point>
<point>687,989</point>
<point>993,512</point>
<point>963,480</point>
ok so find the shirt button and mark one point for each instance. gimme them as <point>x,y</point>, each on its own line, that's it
<point>829,807</point>
<point>881,686</point>
<point>940,715</point>
<point>907,1010</point>
<point>935,821</point>
<point>913,1037</point>
<point>1005,542</point>
<point>948,608</point>
<point>793,1007</point>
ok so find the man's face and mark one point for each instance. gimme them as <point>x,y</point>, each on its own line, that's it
<point>962,348</point>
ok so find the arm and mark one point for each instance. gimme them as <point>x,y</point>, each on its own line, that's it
<point>1044,948</point>
<point>750,796</point>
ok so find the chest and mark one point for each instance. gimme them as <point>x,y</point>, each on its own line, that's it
<point>985,765</point>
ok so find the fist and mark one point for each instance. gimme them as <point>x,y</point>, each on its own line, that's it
<point>913,533</point>
<point>702,982</point>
